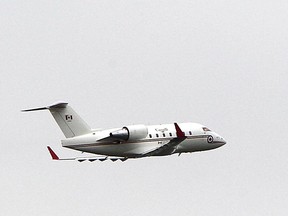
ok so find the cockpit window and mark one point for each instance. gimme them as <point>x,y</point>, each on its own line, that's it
<point>206,129</point>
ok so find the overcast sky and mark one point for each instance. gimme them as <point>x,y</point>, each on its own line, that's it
<point>222,63</point>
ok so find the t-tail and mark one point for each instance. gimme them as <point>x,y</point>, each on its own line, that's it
<point>68,120</point>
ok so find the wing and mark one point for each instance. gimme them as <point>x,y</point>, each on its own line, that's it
<point>81,159</point>
<point>170,147</point>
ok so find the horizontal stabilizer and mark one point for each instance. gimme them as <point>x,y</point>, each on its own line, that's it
<point>35,109</point>
<point>55,105</point>
<point>67,119</point>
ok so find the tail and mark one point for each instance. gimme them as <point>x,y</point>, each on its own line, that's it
<point>68,120</point>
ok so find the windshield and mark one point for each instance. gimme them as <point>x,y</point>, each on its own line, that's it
<point>206,129</point>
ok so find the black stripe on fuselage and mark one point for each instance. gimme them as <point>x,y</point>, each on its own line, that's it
<point>135,142</point>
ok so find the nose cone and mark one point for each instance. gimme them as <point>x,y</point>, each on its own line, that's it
<point>223,141</point>
<point>219,140</point>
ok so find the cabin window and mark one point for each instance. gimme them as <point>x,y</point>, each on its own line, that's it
<point>157,135</point>
<point>164,135</point>
<point>170,134</point>
<point>150,135</point>
<point>190,133</point>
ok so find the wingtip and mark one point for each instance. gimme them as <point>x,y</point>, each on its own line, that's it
<point>53,154</point>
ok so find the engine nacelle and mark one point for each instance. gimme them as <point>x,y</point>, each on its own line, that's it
<point>133,132</point>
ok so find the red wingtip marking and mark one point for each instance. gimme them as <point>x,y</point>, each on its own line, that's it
<point>53,154</point>
<point>179,132</point>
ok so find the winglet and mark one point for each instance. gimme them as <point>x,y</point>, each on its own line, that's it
<point>179,132</point>
<point>52,153</point>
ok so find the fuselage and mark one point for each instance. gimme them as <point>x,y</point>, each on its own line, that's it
<point>132,141</point>
<point>198,138</point>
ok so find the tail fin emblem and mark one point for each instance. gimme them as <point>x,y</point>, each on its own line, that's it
<point>69,118</point>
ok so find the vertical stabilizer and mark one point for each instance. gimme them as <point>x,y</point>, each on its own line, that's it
<point>68,120</point>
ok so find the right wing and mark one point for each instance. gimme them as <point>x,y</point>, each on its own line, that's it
<point>170,147</point>
<point>81,159</point>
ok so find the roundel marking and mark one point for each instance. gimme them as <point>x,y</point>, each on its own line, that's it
<point>209,139</point>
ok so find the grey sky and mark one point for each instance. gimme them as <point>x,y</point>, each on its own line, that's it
<point>220,63</point>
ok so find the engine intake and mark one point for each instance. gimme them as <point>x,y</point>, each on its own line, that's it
<point>133,132</point>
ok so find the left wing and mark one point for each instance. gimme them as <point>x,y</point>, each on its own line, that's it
<point>81,159</point>
<point>170,147</point>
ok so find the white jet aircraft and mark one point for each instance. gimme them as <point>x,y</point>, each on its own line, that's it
<point>134,141</point>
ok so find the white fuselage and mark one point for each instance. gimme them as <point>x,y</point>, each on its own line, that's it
<point>198,139</point>
<point>132,141</point>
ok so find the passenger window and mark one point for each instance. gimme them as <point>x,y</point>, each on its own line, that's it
<point>190,133</point>
<point>163,134</point>
<point>150,135</point>
<point>170,134</point>
<point>157,135</point>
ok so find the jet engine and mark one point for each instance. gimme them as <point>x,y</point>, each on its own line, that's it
<point>133,132</point>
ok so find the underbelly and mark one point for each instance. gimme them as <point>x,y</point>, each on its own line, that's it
<point>121,149</point>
